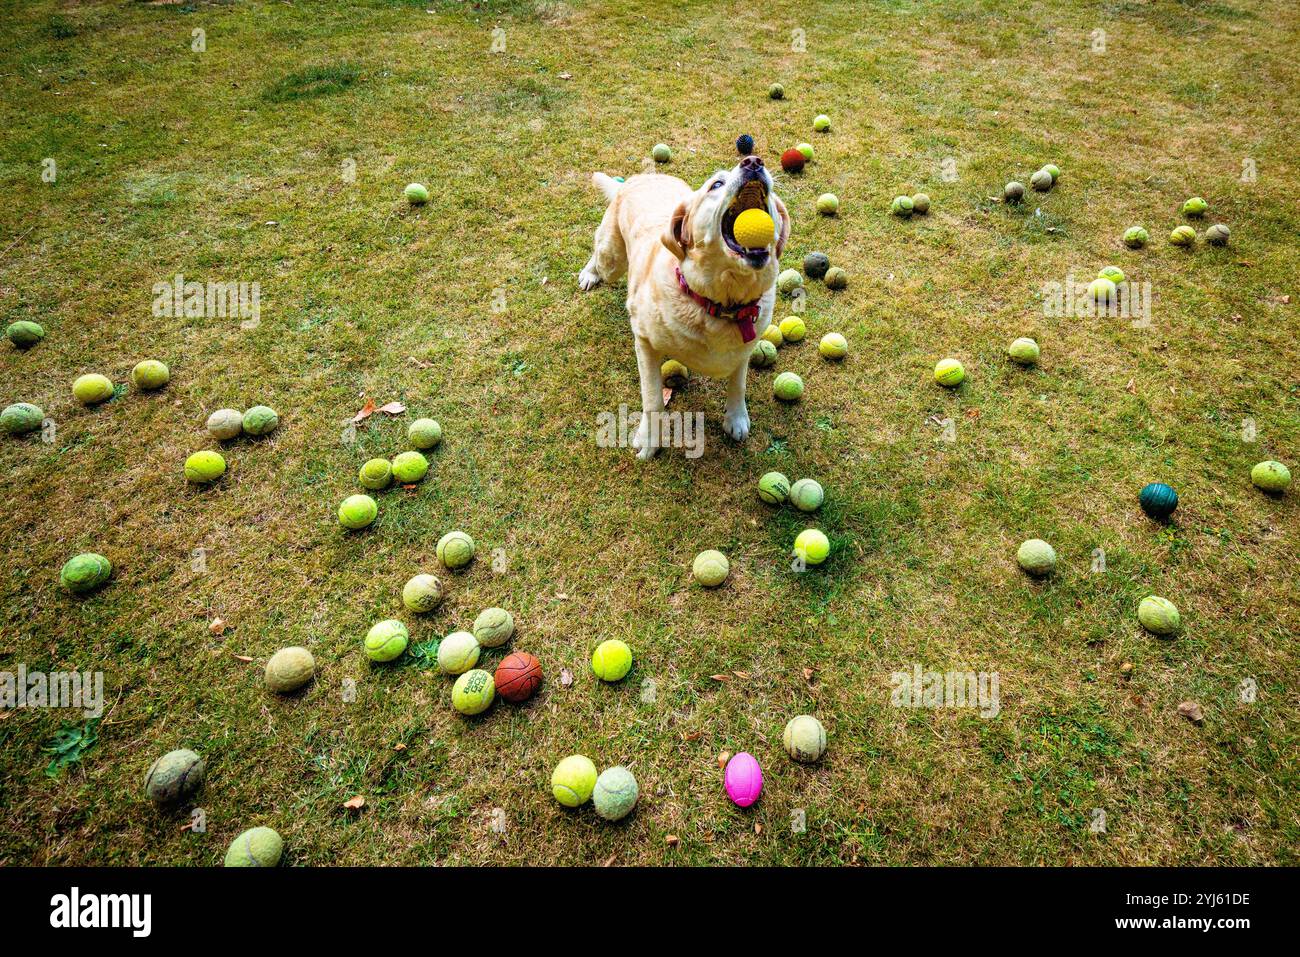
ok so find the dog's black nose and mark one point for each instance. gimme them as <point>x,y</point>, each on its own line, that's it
<point>751,164</point>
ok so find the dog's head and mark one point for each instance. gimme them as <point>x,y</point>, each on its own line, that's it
<point>700,234</point>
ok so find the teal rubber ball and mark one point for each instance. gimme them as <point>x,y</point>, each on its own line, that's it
<point>1158,500</point>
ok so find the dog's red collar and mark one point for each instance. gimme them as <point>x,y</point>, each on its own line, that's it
<point>742,316</point>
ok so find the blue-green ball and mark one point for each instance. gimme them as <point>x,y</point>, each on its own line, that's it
<point>1158,500</point>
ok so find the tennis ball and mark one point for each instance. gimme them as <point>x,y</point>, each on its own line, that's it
<point>793,329</point>
<point>1036,557</point>
<point>792,160</point>
<point>85,572</point>
<point>789,281</point>
<point>424,433</point>
<point>949,373</point>
<point>25,334</point>
<point>754,229</point>
<point>901,206</point>
<point>357,512</point>
<point>1271,476</point>
<point>457,653</point>
<point>804,738</point>
<point>1024,351</point>
<point>921,203</point>
<point>21,418</point>
<point>416,194</point>
<point>1195,207</point>
<point>1217,235</point>
<point>421,593</point>
<point>833,346</point>
<point>289,669</point>
<point>1158,500</point>
<point>256,847</point>
<point>1183,236</point>
<point>812,546</point>
<point>376,474</point>
<point>386,640</point>
<point>807,495</point>
<point>828,204</point>
<point>1013,192</point>
<point>711,568</point>
<point>661,153</point>
<point>455,549</point>
<point>409,467</point>
<point>174,776</point>
<point>261,420</point>
<point>774,488</point>
<point>1041,181</point>
<point>776,91</point>
<point>1113,273</point>
<point>1053,171</point>
<point>773,335</point>
<point>1102,291</point>
<point>1159,616</point>
<point>815,265</point>
<point>150,374</point>
<point>573,780</point>
<point>473,692</point>
<point>615,793</point>
<point>493,627</point>
<point>204,467</point>
<point>787,387</point>
<point>674,374</point>
<point>225,423</point>
<point>821,123</point>
<point>744,144</point>
<point>92,388</point>
<point>836,278</point>
<point>764,353</point>
<point>1135,237</point>
<point>612,660</point>
<point>807,151</point>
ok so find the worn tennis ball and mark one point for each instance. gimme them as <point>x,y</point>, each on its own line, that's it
<point>675,375</point>
<point>1135,237</point>
<point>828,204</point>
<point>386,640</point>
<point>409,467</point>
<point>204,467</point>
<point>1102,291</point>
<point>902,206</point>
<point>1041,181</point>
<point>1113,273</point>
<point>774,488</point>
<point>24,334</point>
<point>821,123</point>
<point>921,203</point>
<point>256,847</point>
<point>833,346</point>
<point>1158,500</point>
<point>150,374</point>
<point>836,278</point>
<point>812,546</point>
<point>424,433</point>
<point>949,373</point>
<point>804,738</point>
<point>1217,235</point>
<point>612,660</point>
<point>174,777</point>
<point>493,627</point>
<point>289,669</point>
<point>357,512</point>
<point>711,568</point>
<point>789,281</point>
<point>1053,171</point>
<point>1036,557</point>
<point>793,329</point>
<point>787,387</point>
<point>1159,616</point>
<point>744,144</point>
<point>615,793</point>
<point>661,153</point>
<point>416,194</point>
<point>261,420</point>
<point>376,474</point>
<point>92,388</point>
<point>754,229</point>
<point>1024,351</point>
<point>573,780</point>
<point>225,424</point>
<point>1013,192</point>
<point>1195,207</point>
<point>815,265</point>
<point>1271,476</point>
<point>1183,236</point>
<point>473,692</point>
<point>85,572</point>
<point>776,91</point>
<point>455,549</point>
<point>792,160</point>
<point>21,418</point>
<point>807,495</point>
<point>457,653</point>
<point>764,353</point>
<point>773,335</point>
<point>807,150</point>
<point>421,593</point>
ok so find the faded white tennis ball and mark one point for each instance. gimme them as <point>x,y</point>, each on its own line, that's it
<point>289,669</point>
<point>422,593</point>
<point>920,203</point>
<point>493,627</point>
<point>1217,235</point>
<point>457,653</point>
<point>1036,557</point>
<point>174,777</point>
<point>225,424</point>
<point>615,793</point>
<point>789,281</point>
<point>804,738</point>
<point>807,495</point>
<point>1013,192</point>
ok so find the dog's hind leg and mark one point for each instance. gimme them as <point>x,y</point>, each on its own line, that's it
<point>608,260</point>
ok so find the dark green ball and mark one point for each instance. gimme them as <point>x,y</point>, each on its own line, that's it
<point>1158,500</point>
<point>815,265</point>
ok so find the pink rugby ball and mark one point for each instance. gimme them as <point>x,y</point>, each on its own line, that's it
<point>743,779</point>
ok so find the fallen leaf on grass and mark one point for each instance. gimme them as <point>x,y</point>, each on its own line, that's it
<point>693,736</point>
<point>808,674</point>
<point>243,658</point>
<point>366,411</point>
<point>743,675</point>
<point>758,828</point>
<point>609,861</point>
<point>672,840</point>
<point>566,677</point>
<point>723,758</point>
<point>217,626</point>
<point>355,804</point>
<point>399,747</point>
<point>391,408</point>
<point>1191,710</point>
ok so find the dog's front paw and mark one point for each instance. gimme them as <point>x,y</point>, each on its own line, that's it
<point>588,279</point>
<point>645,449</point>
<point>736,424</point>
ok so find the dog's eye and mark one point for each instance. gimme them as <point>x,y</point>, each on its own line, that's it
<point>716,183</point>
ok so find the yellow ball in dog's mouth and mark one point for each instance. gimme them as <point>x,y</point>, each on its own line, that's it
<point>754,229</point>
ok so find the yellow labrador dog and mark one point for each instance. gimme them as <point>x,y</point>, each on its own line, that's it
<point>693,293</point>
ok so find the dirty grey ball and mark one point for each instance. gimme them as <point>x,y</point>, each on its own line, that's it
<point>1041,181</point>
<point>226,423</point>
<point>921,203</point>
<point>815,265</point>
<point>1014,192</point>
<point>1217,235</point>
<point>174,776</point>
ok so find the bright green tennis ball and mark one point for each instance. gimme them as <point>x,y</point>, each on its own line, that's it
<point>386,640</point>
<point>1102,291</point>
<point>1036,557</point>
<point>776,91</point>
<point>773,335</point>
<point>256,847</point>
<point>457,653</point>
<point>289,669</point>
<point>357,512</point>
<point>793,329</point>
<point>422,593</point>
<point>473,692</point>
<point>812,546</point>
<point>409,467</point>
<point>21,418</point>
<point>24,334</point>
<point>1159,616</point>
<point>804,738</point>
<point>774,488</point>
<point>612,660</point>
<point>754,229</point>
<point>261,420</point>
<point>1217,235</point>
<point>949,373</point>
<point>711,568</point>
<point>615,793</point>
<point>764,353</point>
<point>807,495</point>
<point>204,467</point>
<point>821,123</point>
<point>493,627</point>
<point>150,374</point>
<point>1271,476</point>
<point>424,433</point>
<point>1135,237</point>
<point>807,150</point>
<point>573,780</point>
<point>833,346</point>
<point>789,281</point>
<point>902,206</point>
<point>416,194</point>
<point>1113,273</point>
<point>674,374</point>
<point>1053,171</point>
<point>92,388</point>
<point>85,572</point>
<point>1024,351</point>
<point>225,424</point>
<point>828,204</point>
<point>1182,236</point>
<point>661,153</point>
<point>836,278</point>
<point>1041,181</point>
<point>1195,207</point>
<point>174,777</point>
<point>787,387</point>
<point>376,474</point>
<point>455,549</point>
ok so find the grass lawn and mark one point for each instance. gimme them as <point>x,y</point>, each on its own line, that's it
<point>277,154</point>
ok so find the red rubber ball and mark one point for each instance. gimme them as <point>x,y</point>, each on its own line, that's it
<point>792,160</point>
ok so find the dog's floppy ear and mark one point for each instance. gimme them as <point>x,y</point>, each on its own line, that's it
<point>677,237</point>
<point>783,233</point>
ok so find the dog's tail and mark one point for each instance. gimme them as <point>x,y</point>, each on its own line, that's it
<point>606,184</point>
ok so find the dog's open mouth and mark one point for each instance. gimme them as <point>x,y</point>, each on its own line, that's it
<point>752,195</point>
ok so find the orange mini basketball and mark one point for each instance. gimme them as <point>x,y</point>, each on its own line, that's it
<point>518,676</point>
